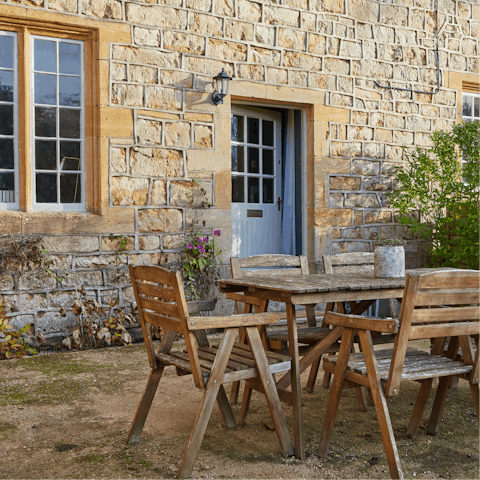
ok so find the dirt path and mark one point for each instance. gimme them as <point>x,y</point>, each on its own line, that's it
<point>66,415</point>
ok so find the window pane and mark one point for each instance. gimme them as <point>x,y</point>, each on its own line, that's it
<point>238,163</point>
<point>69,91</point>
<point>69,123</point>
<point>466,106</point>
<point>45,56</point>
<point>70,156</point>
<point>268,190</point>
<point>46,187</point>
<point>7,187</point>
<point>45,155</point>
<point>45,89</point>
<point>45,121</point>
<point>253,163</point>
<point>6,51</point>
<point>237,128</point>
<point>238,192</point>
<point>6,154</point>
<point>70,188</point>
<point>475,107</point>
<point>6,86</point>
<point>267,133</point>
<point>253,190</point>
<point>253,130</point>
<point>6,119</point>
<point>268,167</point>
<point>69,58</point>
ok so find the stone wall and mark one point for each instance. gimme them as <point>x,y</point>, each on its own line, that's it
<point>317,54</point>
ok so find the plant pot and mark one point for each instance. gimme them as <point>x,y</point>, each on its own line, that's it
<point>389,262</point>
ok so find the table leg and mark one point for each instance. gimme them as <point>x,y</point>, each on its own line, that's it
<point>296,386</point>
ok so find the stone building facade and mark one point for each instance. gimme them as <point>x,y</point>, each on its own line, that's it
<point>153,139</point>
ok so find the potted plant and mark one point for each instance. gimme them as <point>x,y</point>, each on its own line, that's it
<point>200,254</point>
<point>389,257</point>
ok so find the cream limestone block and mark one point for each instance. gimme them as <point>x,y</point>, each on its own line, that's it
<point>199,159</point>
<point>333,217</point>
<point>223,190</point>
<point>281,16</point>
<point>184,42</point>
<point>156,162</point>
<point>160,220</point>
<point>68,6</point>
<point>172,242</point>
<point>148,132</point>
<point>302,60</point>
<point>332,6</point>
<point>101,8</point>
<point>200,101</point>
<point>176,78</point>
<point>238,30</point>
<point>265,56</point>
<point>277,75</point>
<point>363,10</point>
<point>163,98</point>
<point>146,36</point>
<point>182,193</point>
<point>198,117</point>
<point>156,16</point>
<point>158,194</point>
<point>265,35</point>
<point>118,160</point>
<point>116,122</point>
<point>202,136</point>
<point>112,244</point>
<point>141,74</point>
<point>178,134</point>
<point>127,95</point>
<point>213,218</point>
<point>164,115</point>
<point>227,50</point>
<point>293,39</point>
<point>119,72</point>
<point>207,66</point>
<point>205,24</point>
<point>225,8</point>
<point>126,191</point>
<point>250,11</point>
<point>150,56</point>
<point>251,72</point>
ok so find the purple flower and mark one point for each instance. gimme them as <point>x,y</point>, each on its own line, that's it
<point>201,248</point>
<point>205,239</point>
<point>216,233</point>
<point>190,246</point>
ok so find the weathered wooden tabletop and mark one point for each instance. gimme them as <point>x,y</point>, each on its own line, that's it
<point>319,283</point>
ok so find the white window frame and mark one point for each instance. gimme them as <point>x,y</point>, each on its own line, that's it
<point>14,205</point>
<point>472,117</point>
<point>55,207</point>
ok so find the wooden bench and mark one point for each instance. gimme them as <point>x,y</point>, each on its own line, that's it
<point>161,302</point>
<point>434,306</point>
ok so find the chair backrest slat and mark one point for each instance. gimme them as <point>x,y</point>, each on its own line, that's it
<point>271,272</point>
<point>452,314</point>
<point>167,309</point>
<point>359,263</point>
<point>260,261</point>
<point>156,291</point>
<point>161,321</point>
<point>435,305</point>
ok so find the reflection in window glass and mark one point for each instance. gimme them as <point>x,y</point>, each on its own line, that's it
<point>253,132</point>
<point>8,122</point>
<point>268,165</point>
<point>253,160</point>
<point>45,155</point>
<point>6,86</point>
<point>267,133</point>
<point>69,58</point>
<point>253,190</point>
<point>237,128</point>
<point>268,193</point>
<point>238,191</point>
<point>238,163</point>
<point>63,153</point>
<point>45,56</point>
<point>470,107</point>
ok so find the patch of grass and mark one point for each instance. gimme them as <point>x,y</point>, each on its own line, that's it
<point>93,457</point>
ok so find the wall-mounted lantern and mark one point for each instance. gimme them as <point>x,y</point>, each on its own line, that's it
<point>221,87</point>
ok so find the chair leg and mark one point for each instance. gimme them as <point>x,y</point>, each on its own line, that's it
<point>208,401</point>
<point>438,403</point>
<point>225,408</point>
<point>144,406</point>
<point>380,403</point>
<point>474,389</point>
<point>270,389</point>
<point>236,385</point>
<point>419,408</point>
<point>247,395</point>
<point>199,427</point>
<point>312,377</point>
<point>362,398</point>
<point>335,391</point>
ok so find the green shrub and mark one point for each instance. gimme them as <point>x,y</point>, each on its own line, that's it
<point>438,195</point>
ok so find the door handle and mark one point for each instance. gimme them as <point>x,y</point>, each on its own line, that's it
<point>279,202</point>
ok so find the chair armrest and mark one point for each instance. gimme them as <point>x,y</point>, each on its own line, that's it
<point>241,297</point>
<point>362,323</point>
<point>232,321</point>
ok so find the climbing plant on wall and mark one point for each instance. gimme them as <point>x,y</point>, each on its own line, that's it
<point>438,195</point>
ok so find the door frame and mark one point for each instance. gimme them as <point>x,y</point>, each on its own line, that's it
<point>253,103</point>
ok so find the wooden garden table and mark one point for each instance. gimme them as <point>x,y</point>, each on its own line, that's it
<point>309,290</point>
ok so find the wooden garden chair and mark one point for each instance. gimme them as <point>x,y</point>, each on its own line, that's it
<point>277,339</point>
<point>161,302</point>
<point>434,306</point>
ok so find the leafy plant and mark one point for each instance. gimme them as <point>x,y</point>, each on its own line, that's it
<point>95,325</point>
<point>200,252</point>
<point>438,195</point>
<point>14,344</point>
<point>123,243</point>
<point>389,242</point>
